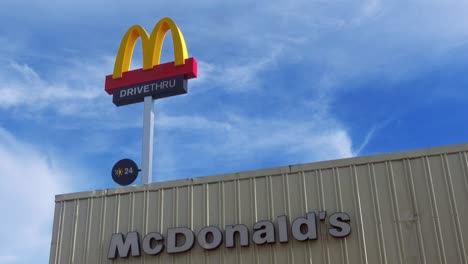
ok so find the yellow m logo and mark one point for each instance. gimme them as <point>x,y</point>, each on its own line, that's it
<point>151,46</point>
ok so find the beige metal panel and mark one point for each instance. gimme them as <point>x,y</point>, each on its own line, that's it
<point>443,209</point>
<point>456,185</point>
<point>428,235</point>
<point>79,237</point>
<point>56,243</point>
<point>96,243</point>
<point>407,207</point>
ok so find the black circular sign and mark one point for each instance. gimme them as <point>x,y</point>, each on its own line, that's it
<point>124,172</point>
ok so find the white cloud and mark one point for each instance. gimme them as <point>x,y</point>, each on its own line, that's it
<point>191,122</point>
<point>313,138</point>
<point>237,76</point>
<point>74,89</point>
<point>355,41</point>
<point>8,259</point>
<point>372,7</point>
<point>241,142</point>
<point>30,180</point>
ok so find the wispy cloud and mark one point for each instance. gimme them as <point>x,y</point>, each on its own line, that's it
<point>9,259</point>
<point>29,181</point>
<point>237,76</point>
<point>240,142</point>
<point>370,134</point>
<point>24,86</point>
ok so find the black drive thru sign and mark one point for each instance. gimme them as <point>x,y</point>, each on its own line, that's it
<point>156,89</point>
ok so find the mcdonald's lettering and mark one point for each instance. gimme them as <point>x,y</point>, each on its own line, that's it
<point>182,239</point>
<point>127,86</point>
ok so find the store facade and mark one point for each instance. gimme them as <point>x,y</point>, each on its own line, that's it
<point>406,207</point>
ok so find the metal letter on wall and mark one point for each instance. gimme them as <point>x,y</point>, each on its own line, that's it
<point>340,223</point>
<point>120,247</point>
<point>243,232</point>
<point>283,229</point>
<point>264,232</point>
<point>177,236</point>
<point>149,240</point>
<point>214,233</point>
<point>301,223</point>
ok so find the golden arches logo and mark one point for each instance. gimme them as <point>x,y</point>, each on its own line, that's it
<point>151,46</point>
<point>151,50</point>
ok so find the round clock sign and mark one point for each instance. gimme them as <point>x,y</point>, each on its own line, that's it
<point>124,172</point>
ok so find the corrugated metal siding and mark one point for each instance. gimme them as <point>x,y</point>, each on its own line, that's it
<point>408,207</point>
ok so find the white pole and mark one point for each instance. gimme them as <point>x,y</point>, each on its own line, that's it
<point>147,148</point>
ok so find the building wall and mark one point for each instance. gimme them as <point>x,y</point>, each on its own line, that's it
<point>408,207</point>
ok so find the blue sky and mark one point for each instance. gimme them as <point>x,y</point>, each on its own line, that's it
<point>280,83</point>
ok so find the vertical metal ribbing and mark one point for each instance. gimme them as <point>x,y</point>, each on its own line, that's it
<point>131,212</point>
<point>223,211</point>
<point>378,214</point>
<point>159,223</point>
<point>89,220</point>
<point>339,203</point>
<point>76,207</point>
<point>464,165</point>
<point>190,205</point>
<point>117,207</point>
<point>286,201</point>
<point>145,216</point>
<point>172,203</point>
<point>207,204</point>
<point>306,209</point>
<point>131,217</point>
<point>325,249</point>
<point>238,210</point>
<point>416,211</point>
<point>304,191</point>
<point>101,228</point>
<point>207,214</point>
<point>396,211</point>
<point>360,224</point>
<point>222,221</point>
<point>253,207</point>
<point>117,215</point>
<point>287,204</point>
<point>59,234</point>
<point>161,209</point>
<point>190,215</point>
<point>435,212</point>
<point>464,161</point>
<point>253,190</point>
<point>270,192</point>
<point>238,203</point>
<point>453,209</point>
<point>175,199</point>
<point>270,205</point>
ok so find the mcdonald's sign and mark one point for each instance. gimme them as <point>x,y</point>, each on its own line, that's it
<point>154,79</point>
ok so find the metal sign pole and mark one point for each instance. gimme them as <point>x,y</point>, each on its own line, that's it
<point>147,148</point>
